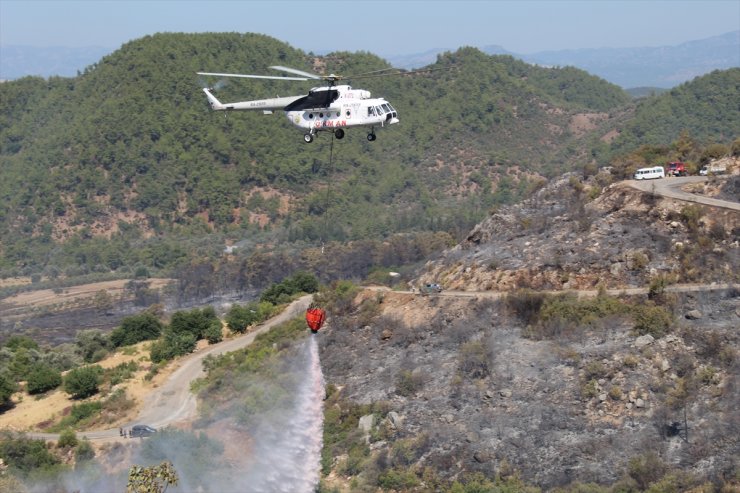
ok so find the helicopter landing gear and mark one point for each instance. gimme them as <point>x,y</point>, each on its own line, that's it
<point>308,138</point>
<point>339,133</point>
<point>371,137</point>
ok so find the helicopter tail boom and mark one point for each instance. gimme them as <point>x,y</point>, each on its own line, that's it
<point>264,105</point>
<point>215,103</point>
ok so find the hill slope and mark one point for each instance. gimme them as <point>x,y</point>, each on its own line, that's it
<point>129,149</point>
<point>123,167</point>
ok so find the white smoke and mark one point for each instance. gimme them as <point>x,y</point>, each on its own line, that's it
<point>288,451</point>
<point>284,450</point>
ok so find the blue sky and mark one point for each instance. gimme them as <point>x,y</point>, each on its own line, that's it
<point>381,27</point>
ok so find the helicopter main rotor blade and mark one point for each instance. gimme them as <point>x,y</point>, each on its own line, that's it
<point>388,72</point>
<point>295,71</point>
<point>252,76</point>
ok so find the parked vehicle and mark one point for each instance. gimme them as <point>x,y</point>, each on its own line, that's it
<point>650,173</point>
<point>430,288</point>
<point>714,168</point>
<point>142,431</point>
<point>677,168</point>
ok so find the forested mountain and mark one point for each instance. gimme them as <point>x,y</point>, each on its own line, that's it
<point>125,165</point>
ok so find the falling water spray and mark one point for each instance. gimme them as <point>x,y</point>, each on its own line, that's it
<point>288,452</point>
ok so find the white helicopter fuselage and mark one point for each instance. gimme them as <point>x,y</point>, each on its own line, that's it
<point>329,108</point>
<point>351,109</point>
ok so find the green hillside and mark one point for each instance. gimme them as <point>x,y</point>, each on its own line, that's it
<point>705,108</point>
<point>125,165</point>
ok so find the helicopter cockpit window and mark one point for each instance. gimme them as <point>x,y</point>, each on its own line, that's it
<point>379,110</point>
<point>370,111</point>
<point>386,108</point>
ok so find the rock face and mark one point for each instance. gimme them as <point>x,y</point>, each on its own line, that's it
<point>468,381</point>
<point>560,239</point>
<point>573,408</point>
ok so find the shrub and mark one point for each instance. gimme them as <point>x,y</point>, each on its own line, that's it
<point>42,378</point>
<point>615,393</point>
<point>240,317</point>
<point>195,322</point>
<point>92,344</point>
<point>473,360</point>
<point>595,370</point>
<point>408,383</point>
<point>84,451</point>
<point>7,387</point>
<point>121,372</point>
<point>172,345</point>
<point>630,361</point>
<point>67,438</point>
<point>301,282</point>
<point>397,479</point>
<point>646,469</point>
<point>651,319</point>
<point>214,332</point>
<point>142,327</point>
<point>525,304</point>
<point>589,389</point>
<point>84,410</point>
<point>83,382</point>
<point>26,455</point>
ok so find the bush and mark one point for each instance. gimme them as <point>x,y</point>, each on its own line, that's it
<point>172,345</point>
<point>397,479</point>
<point>646,469</point>
<point>473,360</point>
<point>67,438</point>
<point>121,372</point>
<point>651,319</point>
<point>25,455</point>
<point>301,282</point>
<point>83,382</point>
<point>92,345</point>
<point>526,304</point>
<point>84,451</point>
<point>137,328</point>
<point>7,387</point>
<point>240,317</point>
<point>214,332</point>
<point>408,383</point>
<point>195,322</point>
<point>42,378</point>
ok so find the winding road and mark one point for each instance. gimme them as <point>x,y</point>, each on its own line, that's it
<point>173,402</point>
<point>672,188</point>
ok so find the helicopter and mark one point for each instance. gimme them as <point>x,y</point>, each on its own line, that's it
<point>330,108</point>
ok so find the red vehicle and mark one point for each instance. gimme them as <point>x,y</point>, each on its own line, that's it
<point>677,168</point>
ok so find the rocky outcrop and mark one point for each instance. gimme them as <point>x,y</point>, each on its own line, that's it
<point>564,238</point>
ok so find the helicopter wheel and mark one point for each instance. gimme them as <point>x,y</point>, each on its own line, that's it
<point>308,138</point>
<point>339,133</point>
<point>371,137</point>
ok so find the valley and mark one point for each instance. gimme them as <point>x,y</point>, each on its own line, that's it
<point>582,337</point>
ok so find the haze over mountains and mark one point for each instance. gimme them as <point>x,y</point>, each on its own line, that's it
<point>661,66</point>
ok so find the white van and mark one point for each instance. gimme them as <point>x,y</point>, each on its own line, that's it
<point>650,173</point>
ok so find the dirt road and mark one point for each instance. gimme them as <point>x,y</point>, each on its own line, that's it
<point>671,187</point>
<point>173,402</point>
<point>676,288</point>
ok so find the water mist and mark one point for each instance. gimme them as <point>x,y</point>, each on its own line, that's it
<point>287,451</point>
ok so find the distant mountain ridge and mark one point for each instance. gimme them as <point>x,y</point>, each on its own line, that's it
<point>662,66</point>
<point>20,61</point>
<point>653,67</point>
